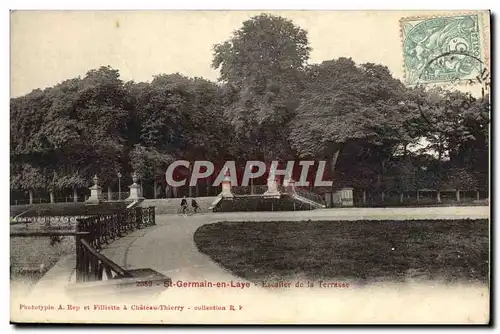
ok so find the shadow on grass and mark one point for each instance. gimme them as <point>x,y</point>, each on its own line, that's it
<point>364,251</point>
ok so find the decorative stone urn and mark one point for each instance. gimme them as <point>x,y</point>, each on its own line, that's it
<point>135,189</point>
<point>272,187</point>
<point>226,186</point>
<point>95,192</point>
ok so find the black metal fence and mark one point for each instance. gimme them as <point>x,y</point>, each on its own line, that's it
<point>44,220</point>
<point>92,265</point>
<point>91,233</point>
<point>101,230</point>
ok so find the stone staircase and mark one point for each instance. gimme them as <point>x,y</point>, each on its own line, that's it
<point>307,198</point>
<point>172,205</point>
<point>307,202</point>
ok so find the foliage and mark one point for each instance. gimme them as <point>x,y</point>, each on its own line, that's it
<point>269,104</point>
<point>263,63</point>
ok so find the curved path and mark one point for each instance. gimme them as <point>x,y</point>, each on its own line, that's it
<point>169,247</point>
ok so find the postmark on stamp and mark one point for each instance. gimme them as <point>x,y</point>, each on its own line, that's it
<point>441,49</point>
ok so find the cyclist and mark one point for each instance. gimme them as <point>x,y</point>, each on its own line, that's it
<point>194,205</point>
<point>184,205</point>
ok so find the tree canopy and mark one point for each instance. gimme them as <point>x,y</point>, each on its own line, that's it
<point>269,104</point>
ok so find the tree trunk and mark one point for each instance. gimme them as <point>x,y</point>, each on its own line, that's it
<point>174,192</point>
<point>335,157</point>
<point>30,192</point>
<point>51,196</point>
<point>167,191</point>
<point>439,197</point>
<point>208,187</point>
<point>458,195</point>
<point>154,188</point>
<point>75,195</point>
<point>382,196</point>
<point>401,197</point>
<point>110,194</point>
<point>418,196</point>
<point>477,195</point>
<point>364,196</point>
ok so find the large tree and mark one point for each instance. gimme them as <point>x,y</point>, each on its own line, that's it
<point>71,131</point>
<point>263,65</point>
<point>347,106</point>
<point>180,118</point>
<point>456,129</point>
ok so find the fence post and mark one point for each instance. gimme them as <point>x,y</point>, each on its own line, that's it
<point>138,217</point>
<point>79,253</point>
<point>152,211</point>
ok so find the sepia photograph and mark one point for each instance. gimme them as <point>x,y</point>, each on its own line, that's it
<point>250,167</point>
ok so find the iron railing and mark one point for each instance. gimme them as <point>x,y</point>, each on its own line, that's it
<point>306,194</point>
<point>91,233</point>
<point>92,265</point>
<point>107,227</point>
<point>103,229</point>
<point>115,196</point>
<point>68,221</point>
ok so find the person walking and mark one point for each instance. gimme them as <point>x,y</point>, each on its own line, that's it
<point>184,205</point>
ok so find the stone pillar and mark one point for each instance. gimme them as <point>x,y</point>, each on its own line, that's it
<point>337,198</point>
<point>328,200</point>
<point>272,187</point>
<point>289,185</point>
<point>346,197</point>
<point>135,190</point>
<point>30,191</point>
<point>75,195</point>
<point>51,196</point>
<point>110,194</point>
<point>95,192</point>
<point>226,186</point>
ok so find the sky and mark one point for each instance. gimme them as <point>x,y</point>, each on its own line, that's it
<point>51,46</point>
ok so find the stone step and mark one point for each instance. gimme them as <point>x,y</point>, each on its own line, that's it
<point>172,205</point>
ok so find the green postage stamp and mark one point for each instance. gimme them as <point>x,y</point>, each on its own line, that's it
<point>441,49</point>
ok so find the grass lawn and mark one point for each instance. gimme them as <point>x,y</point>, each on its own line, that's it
<point>31,257</point>
<point>363,251</point>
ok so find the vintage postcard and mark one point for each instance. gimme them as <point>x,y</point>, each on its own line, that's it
<point>248,167</point>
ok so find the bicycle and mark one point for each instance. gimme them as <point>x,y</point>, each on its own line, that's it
<point>189,211</point>
<point>184,211</point>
